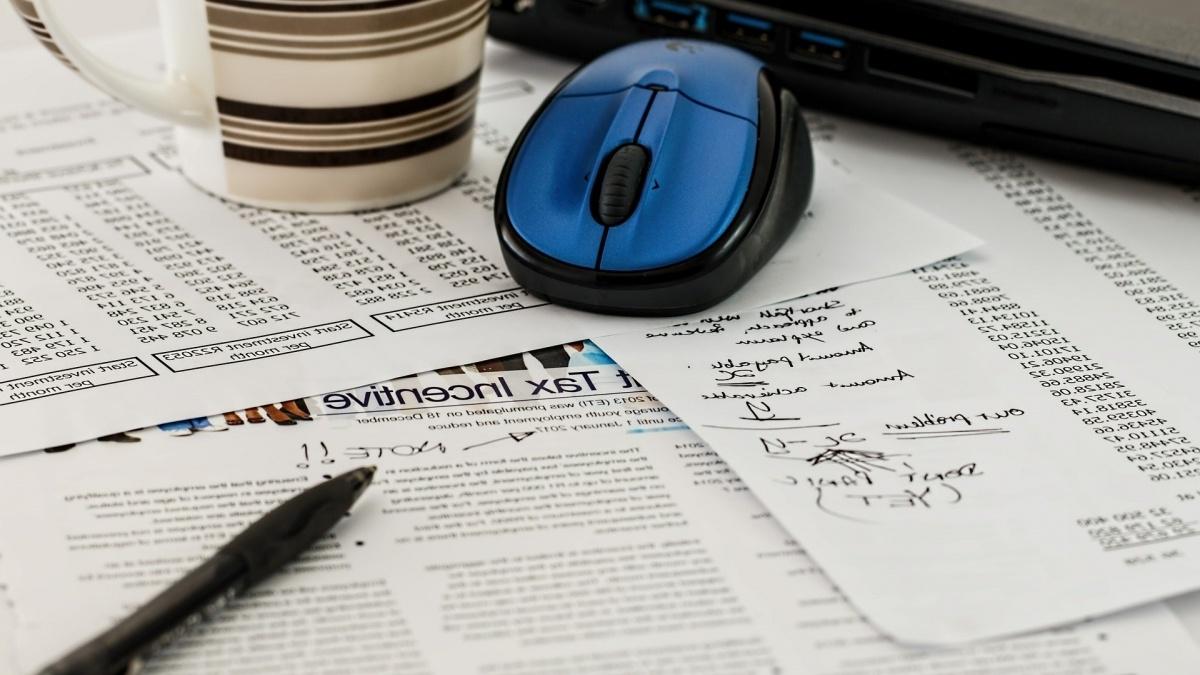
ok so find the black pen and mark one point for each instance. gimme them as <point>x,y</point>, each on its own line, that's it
<point>255,554</point>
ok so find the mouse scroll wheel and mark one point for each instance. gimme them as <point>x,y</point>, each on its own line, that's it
<point>620,184</point>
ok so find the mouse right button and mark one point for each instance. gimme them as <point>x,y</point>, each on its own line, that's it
<point>700,165</point>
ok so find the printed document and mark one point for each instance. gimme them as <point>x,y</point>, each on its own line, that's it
<point>127,296</point>
<point>989,445</point>
<point>8,631</point>
<point>537,513</point>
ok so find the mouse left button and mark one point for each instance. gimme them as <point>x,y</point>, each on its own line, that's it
<point>548,194</point>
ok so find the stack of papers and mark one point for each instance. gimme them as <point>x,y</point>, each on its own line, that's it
<point>580,530</point>
<point>906,447</point>
<point>132,297</point>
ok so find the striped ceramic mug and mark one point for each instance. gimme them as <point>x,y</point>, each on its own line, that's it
<point>306,105</point>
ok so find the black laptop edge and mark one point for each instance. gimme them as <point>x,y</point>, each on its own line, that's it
<point>934,68</point>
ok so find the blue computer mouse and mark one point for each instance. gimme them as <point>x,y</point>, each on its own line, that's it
<point>656,179</point>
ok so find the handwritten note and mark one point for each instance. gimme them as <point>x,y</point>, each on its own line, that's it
<point>959,464</point>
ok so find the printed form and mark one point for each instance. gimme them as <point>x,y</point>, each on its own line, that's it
<point>128,297</point>
<point>8,631</point>
<point>560,518</point>
<point>988,445</point>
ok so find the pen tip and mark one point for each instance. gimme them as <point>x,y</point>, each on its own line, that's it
<point>366,473</point>
<point>359,478</point>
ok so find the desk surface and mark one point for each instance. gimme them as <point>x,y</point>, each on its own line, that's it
<point>98,19</point>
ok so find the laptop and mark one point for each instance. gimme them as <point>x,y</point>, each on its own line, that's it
<point>1114,83</point>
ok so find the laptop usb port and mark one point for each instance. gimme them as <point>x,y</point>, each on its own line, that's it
<point>687,16</point>
<point>819,49</point>
<point>746,30</point>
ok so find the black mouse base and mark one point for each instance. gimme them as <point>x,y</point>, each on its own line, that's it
<point>629,299</point>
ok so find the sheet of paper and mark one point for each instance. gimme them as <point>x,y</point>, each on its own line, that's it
<point>128,297</point>
<point>8,631</point>
<point>1013,428</point>
<point>1187,609</point>
<point>519,531</point>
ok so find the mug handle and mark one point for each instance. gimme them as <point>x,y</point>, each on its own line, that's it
<point>172,98</point>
